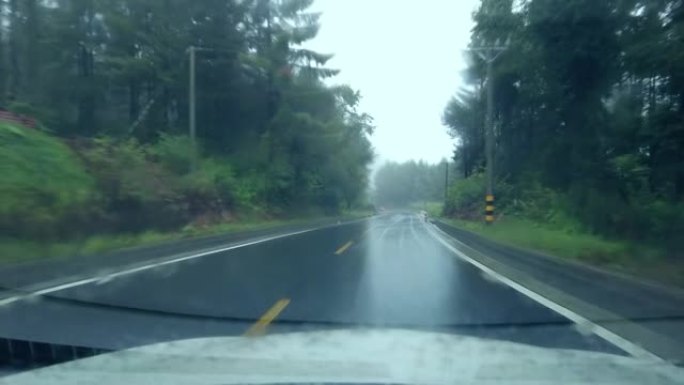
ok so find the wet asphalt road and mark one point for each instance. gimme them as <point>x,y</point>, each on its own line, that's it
<point>387,271</point>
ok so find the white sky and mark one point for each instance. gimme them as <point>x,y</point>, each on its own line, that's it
<point>406,58</point>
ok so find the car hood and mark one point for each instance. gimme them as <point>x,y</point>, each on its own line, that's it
<point>352,357</point>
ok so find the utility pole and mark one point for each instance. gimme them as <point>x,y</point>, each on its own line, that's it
<point>446,182</point>
<point>489,145</point>
<point>489,54</point>
<point>192,107</point>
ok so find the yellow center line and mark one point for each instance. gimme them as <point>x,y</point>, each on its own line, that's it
<point>259,327</point>
<point>344,248</point>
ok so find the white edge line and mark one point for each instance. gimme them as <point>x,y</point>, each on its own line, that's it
<point>384,232</point>
<point>105,277</point>
<point>415,234</point>
<point>628,346</point>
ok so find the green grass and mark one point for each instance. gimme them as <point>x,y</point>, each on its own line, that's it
<point>13,251</point>
<point>527,234</point>
<point>42,180</point>
<point>618,255</point>
<point>33,160</point>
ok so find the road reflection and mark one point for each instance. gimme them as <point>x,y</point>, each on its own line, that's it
<point>406,279</point>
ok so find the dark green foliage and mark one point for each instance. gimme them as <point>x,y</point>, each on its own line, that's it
<point>465,198</point>
<point>134,193</point>
<point>112,76</point>
<point>589,112</point>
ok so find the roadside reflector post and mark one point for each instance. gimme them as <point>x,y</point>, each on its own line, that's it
<point>489,209</point>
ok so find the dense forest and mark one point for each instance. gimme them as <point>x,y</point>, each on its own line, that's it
<point>401,184</point>
<point>110,80</point>
<point>588,113</point>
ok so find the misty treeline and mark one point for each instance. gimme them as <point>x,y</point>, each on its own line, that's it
<point>588,109</point>
<point>401,184</point>
<point>111,77</point>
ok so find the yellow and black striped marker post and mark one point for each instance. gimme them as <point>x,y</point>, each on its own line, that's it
<point>489,209</point>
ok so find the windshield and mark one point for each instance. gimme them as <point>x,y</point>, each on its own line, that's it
<point>509,171</point>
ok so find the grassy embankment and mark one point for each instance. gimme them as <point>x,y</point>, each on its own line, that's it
<point>540,225</point>
<point>60,201</point>
<point>618,255</point>
<point>16,250</point>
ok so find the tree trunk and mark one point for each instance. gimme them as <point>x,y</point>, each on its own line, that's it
<point>15,74</point>
<point>3,59</point>
<point>86,103</point>
<point>133,101</point>
<point>32,42</point>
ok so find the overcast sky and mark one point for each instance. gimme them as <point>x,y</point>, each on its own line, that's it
<point>406,58</point>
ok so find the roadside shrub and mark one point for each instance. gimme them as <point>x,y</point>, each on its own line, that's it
<point>466,198</point>
<point>526,199</point>
<point>137,194</point>
<point>251,190</point>
<point>104,185</point>
<point>174,153</point>
<point>529,199</point>
<point>211,187</point>
<point>664,222</point>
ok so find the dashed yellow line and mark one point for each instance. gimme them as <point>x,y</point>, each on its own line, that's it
<point>344,248</point>
<point>259,327</point>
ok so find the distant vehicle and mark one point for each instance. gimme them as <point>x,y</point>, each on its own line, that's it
<point>423,215</point>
